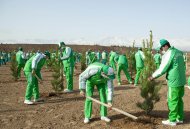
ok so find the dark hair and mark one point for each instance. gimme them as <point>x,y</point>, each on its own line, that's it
<point>167,44</point>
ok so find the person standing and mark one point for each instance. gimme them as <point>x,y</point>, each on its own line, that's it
<point>32,72</point>
<point>112,60</point>
<point>123,65</point>
<point>102,76</point>
<point>68,63</point>
<point>139,58</point>
<point>173,65</point>
<point>20,58</point>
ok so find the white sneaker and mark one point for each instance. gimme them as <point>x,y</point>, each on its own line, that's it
<point>28,102</point>
<point>106,119</point>
<point>68,91</point>
<point>86,120</point>
<point>119,84</point>
<point>167,122</point>
<point>38,100</point>
<point>130,82</point>
<point>179,121</point>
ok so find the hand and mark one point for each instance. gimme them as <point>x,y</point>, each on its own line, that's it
<point>110,106</point>
<point>33,72</point>
<point>150,78</point>
<point>41,81</point>
<point>82,93</point>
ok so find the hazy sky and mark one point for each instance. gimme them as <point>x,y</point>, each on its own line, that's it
<point>93,19</point>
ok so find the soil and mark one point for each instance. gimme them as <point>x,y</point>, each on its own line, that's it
<point>65,110</point>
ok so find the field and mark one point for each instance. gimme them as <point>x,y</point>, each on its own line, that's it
<point>61,111</point>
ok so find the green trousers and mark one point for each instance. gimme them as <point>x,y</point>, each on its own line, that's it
<point>125,70</point>
<point>175,103</point>
<point>138,73</point>
<point>19,67</point>
<point>88,103</point>
<point>69,77</point>
<point>32,88</point>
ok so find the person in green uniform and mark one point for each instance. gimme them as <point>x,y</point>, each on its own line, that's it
<point>123,65</point>
<point>139,58</point>
<point>20,58</point>
<point>112,60</point>
<point>68,63</point>
<point>102,76</point>
<point>157,58</point>
<point>32,72</point>
<point>173,65</point>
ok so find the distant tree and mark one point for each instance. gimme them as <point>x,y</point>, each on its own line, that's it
<point>149,89</point>
<point>131,58</point>
<point>83,60</point>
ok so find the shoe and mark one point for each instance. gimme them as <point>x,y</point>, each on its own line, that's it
<point>86,120</point>
<point>68,91</point>
<point>130,82</point>
<point>106,119</point>
<point>38,100</point>
<point>167,122</point>
<point>119,84</point>
<point>28,102</point>
<point>179,121</point>
<point>135,84</point>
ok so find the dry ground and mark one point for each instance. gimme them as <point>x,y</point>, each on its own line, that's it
<point>63,111</point>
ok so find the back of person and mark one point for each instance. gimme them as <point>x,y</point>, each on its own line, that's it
<point>176,72</point>
<point>122,59</point>
<point>19,57</point>
<point>139,60</point>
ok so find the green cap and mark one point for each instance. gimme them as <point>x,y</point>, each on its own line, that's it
<point>47,54</point>
<point>62,44</point>
<point>109,72</point>
<point>163,42</point>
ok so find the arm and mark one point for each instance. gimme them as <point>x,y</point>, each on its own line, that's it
<point>165,64</point>
<point>68,53</point>
<point>85,76</point>
<point>142,55</point>
<point>110,91</point>
<point>36,59</point>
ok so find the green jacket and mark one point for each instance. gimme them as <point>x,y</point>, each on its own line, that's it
<point>68,57</point>
<point>36,62</point>
<point>157,58</point>
<point>20,57</point>
<point>123,60</point>
<point>173,65</point>
<point>113,56</point>
<point>139,58</point>
<point>93,75</point>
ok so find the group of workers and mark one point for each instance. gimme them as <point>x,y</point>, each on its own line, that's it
<point>101,73</point>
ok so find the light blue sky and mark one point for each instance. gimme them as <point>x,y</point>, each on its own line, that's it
<point>93,19</point>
